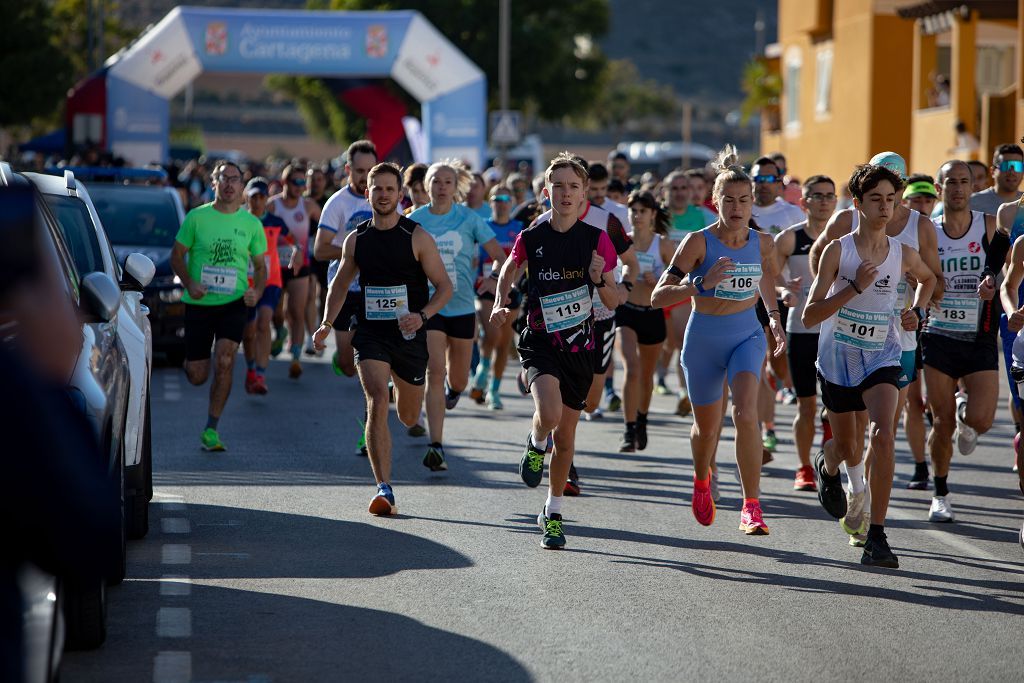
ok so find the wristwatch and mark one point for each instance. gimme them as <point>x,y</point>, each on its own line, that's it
<point>423,317</point>
<point>599,284</point>
<point>698,284</point>
<point>919,312</point>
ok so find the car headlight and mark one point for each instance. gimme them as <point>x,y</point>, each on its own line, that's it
<point>171,296</point>
<point>166,281</point>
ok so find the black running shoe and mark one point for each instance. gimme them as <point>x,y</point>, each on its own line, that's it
<point>830,488</point>
<point>451,398</point>
<point>641,431</point>
<point>628,444</point>
<point>878,554</point>
<point>572,484</point>
<point>553,538</point>
<point>434,459</point>
<point>916,484</point>
<point>531,467</point>
<point>524,387</point>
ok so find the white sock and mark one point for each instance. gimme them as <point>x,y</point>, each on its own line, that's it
<point>553,506</point>
<point>540,442</point>
<point>856,475</point>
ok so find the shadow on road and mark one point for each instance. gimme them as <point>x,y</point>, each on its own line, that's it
<point>252,636</point>
<point>231,543</point>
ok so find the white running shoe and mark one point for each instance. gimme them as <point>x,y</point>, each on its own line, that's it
<point>854,522</point>
<point>966,437</point>
<point>941,510</point>
<point>598,414</point>
<point>716,494</point>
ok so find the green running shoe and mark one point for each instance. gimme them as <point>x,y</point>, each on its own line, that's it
<point>361,444</point>
<point>770,442</point>
<point>211,440</point>
<point>554,538</point>
<point>277,345</point>
<point>531,467</point>
<point>334,365</point>
<point>434,459</point>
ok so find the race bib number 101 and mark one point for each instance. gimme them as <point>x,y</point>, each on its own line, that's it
<point>864,330</point>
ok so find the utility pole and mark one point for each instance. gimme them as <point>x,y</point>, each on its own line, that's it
<point>687,133</point>
<point>504,58</point>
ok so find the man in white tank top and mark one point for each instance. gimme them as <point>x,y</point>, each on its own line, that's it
<point>853,297</point>
<point>792,246</point>
<point>296,211</point>
<point>959,342</point>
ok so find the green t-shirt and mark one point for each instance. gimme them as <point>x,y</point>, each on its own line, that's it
<point>219,248</point>
<point>685,223</point>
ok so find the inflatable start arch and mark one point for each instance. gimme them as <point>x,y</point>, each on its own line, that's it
<point>403,46</point>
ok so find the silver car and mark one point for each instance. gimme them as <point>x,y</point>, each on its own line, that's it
<point>100,386</point>
<point>92,252</point>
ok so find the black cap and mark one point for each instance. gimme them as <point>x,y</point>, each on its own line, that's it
<point>256,186</point>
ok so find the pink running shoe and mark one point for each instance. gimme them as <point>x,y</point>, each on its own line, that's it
<point>750,520</point>
<point>703,506</point>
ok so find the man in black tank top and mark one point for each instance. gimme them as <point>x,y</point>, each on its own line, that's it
<point>394,259</point>
<point>566,260</point>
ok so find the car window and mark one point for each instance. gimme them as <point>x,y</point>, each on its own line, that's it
<point>136,216</point>
<point>64,262</point>
<point>79,234</point>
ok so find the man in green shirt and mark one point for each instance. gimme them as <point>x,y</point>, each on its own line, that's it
<point>221,240</point>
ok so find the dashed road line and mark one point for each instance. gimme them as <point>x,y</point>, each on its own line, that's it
<point>174,585</point>
<point>176,553</point>
<point>174,622</point>
<point>172,667</point>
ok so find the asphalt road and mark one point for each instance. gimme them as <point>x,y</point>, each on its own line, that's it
<point>262,563</point>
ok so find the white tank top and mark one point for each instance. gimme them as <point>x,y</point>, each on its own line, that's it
<point>297,220</point>
<point>650,260</point>
<point>862,336</point>
<point>800,266</point>
<point>963,261</point>
<point>905,295</point>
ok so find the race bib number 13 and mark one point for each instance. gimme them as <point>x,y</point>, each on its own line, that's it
<point>219,279</point>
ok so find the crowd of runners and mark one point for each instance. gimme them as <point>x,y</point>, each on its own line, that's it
<point>889,306</point>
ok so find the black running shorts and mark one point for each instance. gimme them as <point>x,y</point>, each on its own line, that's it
<point>840,399</point>
<point>204,324</point>
<point>574,372</point>
<point>407,358</point>
<point>802,351</point>
<point>956,358</point>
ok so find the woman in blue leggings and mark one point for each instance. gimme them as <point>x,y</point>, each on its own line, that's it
<point>729,265</point>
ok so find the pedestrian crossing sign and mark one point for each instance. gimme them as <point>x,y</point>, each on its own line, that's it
<point>505,127</point>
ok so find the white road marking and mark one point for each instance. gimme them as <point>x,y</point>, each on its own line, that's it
<point>172,667</point>
<point>230,522</point>
<point>237,556</point>
<point>174,525</point>
<point>176,553</point>
<point>174,622</point>
<point>175,585</point>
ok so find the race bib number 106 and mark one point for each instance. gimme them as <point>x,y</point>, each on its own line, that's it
<point>740,283</point>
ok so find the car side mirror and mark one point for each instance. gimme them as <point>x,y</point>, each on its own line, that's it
<point>138,272</point>
<point>100,298</point>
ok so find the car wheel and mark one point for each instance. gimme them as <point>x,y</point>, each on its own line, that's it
<point>85,615</point>
<point>140,482</point>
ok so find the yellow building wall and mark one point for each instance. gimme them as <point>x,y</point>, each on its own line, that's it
<point>870,94</point>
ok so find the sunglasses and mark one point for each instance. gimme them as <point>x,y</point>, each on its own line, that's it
<point>819,197</point>
<point>297,182</point>
<point>766,178</point>
<point>1015,166</point>
<point>501,198</point>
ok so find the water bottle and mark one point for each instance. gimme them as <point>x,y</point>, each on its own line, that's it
<point>402,310</point>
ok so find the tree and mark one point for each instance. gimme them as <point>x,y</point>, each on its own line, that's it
<point>763,88</point>
<point>627,102</point>
<point>556,70</point>
<point>72,32</point>
<point>34,71</point>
